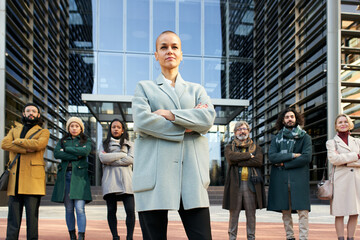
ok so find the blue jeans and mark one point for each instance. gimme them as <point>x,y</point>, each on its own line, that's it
<point>69,208</point>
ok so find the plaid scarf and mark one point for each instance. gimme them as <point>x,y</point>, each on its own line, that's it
<point>246,144</point>
<point>286,138</point>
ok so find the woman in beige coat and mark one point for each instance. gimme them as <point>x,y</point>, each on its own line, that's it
<point>343,153</point>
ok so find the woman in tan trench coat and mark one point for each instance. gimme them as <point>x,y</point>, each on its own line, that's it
<point>343,152</point>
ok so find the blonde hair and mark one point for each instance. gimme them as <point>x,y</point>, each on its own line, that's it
<point>351,124</point>
<point>240,123</point>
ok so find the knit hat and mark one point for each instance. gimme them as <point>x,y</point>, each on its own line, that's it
<point>77,120</point>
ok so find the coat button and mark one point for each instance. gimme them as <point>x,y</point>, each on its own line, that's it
<point>352,170</point>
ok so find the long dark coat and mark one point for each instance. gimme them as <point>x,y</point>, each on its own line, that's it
<point>77,153</point>
<point>235,160</point>
<point>294,173</point>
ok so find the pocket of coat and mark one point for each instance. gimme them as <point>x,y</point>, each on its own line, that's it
<point>83,166</point>
<point>37,169</point>
<point>145,160</point>
<point>202,156</point>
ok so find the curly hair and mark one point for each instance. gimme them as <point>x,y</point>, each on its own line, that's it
<point>279,122</point>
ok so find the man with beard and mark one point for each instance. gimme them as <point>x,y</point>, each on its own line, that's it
<point>242,191</point>
<point>290,154</point>
<point>27,176</point>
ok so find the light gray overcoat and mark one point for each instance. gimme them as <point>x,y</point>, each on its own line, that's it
<point>346,200</point>
<point>117,167</point>
<point>170,164</point>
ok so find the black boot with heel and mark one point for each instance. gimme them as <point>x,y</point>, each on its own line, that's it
<point>72,234</point>
<point>81,236</point>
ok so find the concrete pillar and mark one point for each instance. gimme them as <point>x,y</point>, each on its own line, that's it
<point>333,64</point>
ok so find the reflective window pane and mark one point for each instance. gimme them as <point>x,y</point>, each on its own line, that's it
<point>213,69</point>
<point>137,70</point>
<point>241,29</point>
<point>110,74</point>
<point>110,25</point>
<point>190,26</point>
<point>213,33</point>
<point>137,29</point>
<point>351,109</point>
<point>156,68</point>
<point>164,17</point>
<point>350,76</point>
<point>190,70</point>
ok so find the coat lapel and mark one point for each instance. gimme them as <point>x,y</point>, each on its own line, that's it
<point>179,86</point>
<point>164,86</point>
<point>340,143</point>
<point>352,144</point>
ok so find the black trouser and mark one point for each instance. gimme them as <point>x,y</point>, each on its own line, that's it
<point>129,205</point>
<point>196,223</point>
<point>16,205</point>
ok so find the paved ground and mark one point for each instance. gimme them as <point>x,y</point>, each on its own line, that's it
<point>269,224</point>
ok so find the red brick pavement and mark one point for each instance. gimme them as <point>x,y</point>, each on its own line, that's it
<point>98,229</point>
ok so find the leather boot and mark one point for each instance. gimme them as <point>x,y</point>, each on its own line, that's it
<point>72,234</point>
<point>116,238</point>
<point>81,236</point>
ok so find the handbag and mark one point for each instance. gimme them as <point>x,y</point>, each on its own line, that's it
<point>325,188</point>
<point>4,178</point>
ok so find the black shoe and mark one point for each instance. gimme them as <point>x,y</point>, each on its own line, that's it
<point>81,236</point>
<point>72,234</point>
<point>116,238</point>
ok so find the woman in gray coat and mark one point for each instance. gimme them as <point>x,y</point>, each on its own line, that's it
<point>343,152</point>
<point>116,155</point>
<point>171,164</point>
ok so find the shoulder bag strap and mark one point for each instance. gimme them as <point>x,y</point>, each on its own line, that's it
<point>18,155</point>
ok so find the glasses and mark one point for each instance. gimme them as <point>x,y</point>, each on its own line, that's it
<point>242,129</point>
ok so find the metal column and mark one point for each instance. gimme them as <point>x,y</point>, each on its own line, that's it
<point>333,64</point>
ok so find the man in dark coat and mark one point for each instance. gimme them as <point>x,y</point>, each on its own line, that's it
<point>244,188</point>
<point>290,154</point>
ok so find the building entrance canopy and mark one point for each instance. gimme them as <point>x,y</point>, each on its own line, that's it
<point>107,107</point>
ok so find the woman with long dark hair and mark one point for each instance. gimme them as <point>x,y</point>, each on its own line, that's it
<point>116,155</point>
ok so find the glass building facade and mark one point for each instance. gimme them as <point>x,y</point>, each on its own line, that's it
<point>290,70</point>
<point>272,53</point>
<point>40,69</point>
<point>58,50</point>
